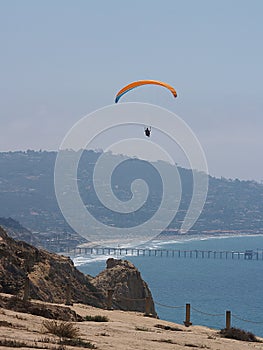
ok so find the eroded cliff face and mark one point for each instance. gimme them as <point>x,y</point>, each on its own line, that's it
<point>130,291</point>
<point>50,275</point>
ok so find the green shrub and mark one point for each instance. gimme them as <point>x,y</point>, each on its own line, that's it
<point>61,329</point>
<point>78,342</point>
<point>97,318</point>
<point>238,334</point>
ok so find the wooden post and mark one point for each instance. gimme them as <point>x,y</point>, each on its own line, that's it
<point>68,295</point>
<point>147,305</point>
<point>187,321</point>
<point>109,299</point>
<point>26,289</point>
<point>228,319</point>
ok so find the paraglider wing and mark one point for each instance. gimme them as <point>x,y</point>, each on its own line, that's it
<point>135,84</point>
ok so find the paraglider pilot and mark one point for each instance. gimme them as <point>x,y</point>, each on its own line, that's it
<point>147,131</point>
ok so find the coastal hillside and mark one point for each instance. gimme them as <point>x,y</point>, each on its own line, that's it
<point>47,240</point>
<point>27,195</point>
<point>15,230</point>
<point>53,278</point>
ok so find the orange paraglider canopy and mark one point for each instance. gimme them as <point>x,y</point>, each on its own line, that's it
<point>135,84</point>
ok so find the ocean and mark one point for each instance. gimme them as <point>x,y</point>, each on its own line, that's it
<point>211,286</point>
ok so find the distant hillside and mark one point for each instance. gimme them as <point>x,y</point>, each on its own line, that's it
<point>52,241</point>
<point>27,195</point>
<point>18,232</point>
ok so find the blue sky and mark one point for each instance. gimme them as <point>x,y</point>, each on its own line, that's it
<point>63,59</point>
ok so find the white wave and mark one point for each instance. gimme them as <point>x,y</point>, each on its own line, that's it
<point>155,244</point>
<point>83,260</point>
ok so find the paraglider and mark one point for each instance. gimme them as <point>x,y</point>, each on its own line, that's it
<point>138,83</point>
<point>147,131</point>
<point>135,84</point>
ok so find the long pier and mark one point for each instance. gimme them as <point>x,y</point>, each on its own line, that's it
<point>175,253</point>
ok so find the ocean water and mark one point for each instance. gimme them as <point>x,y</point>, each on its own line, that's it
<point>211,286</point>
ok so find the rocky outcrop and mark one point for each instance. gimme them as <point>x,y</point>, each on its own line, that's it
<point>53,277</point>
<point>53,311</point>
<point>49,274</point>
<point>130,291</point>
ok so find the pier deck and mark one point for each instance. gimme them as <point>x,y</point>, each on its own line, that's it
<point>194,254</point>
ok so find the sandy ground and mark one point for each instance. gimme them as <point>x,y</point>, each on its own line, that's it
<point>124,331</point>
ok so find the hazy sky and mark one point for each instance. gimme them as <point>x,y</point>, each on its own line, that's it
<point>63,59</point>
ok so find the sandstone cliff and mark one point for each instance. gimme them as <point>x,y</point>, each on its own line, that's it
<point>129,289</point>
<point>49,276</point>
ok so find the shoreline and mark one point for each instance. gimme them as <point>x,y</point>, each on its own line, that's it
<point>83,259</point>
<point>203,237</point>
